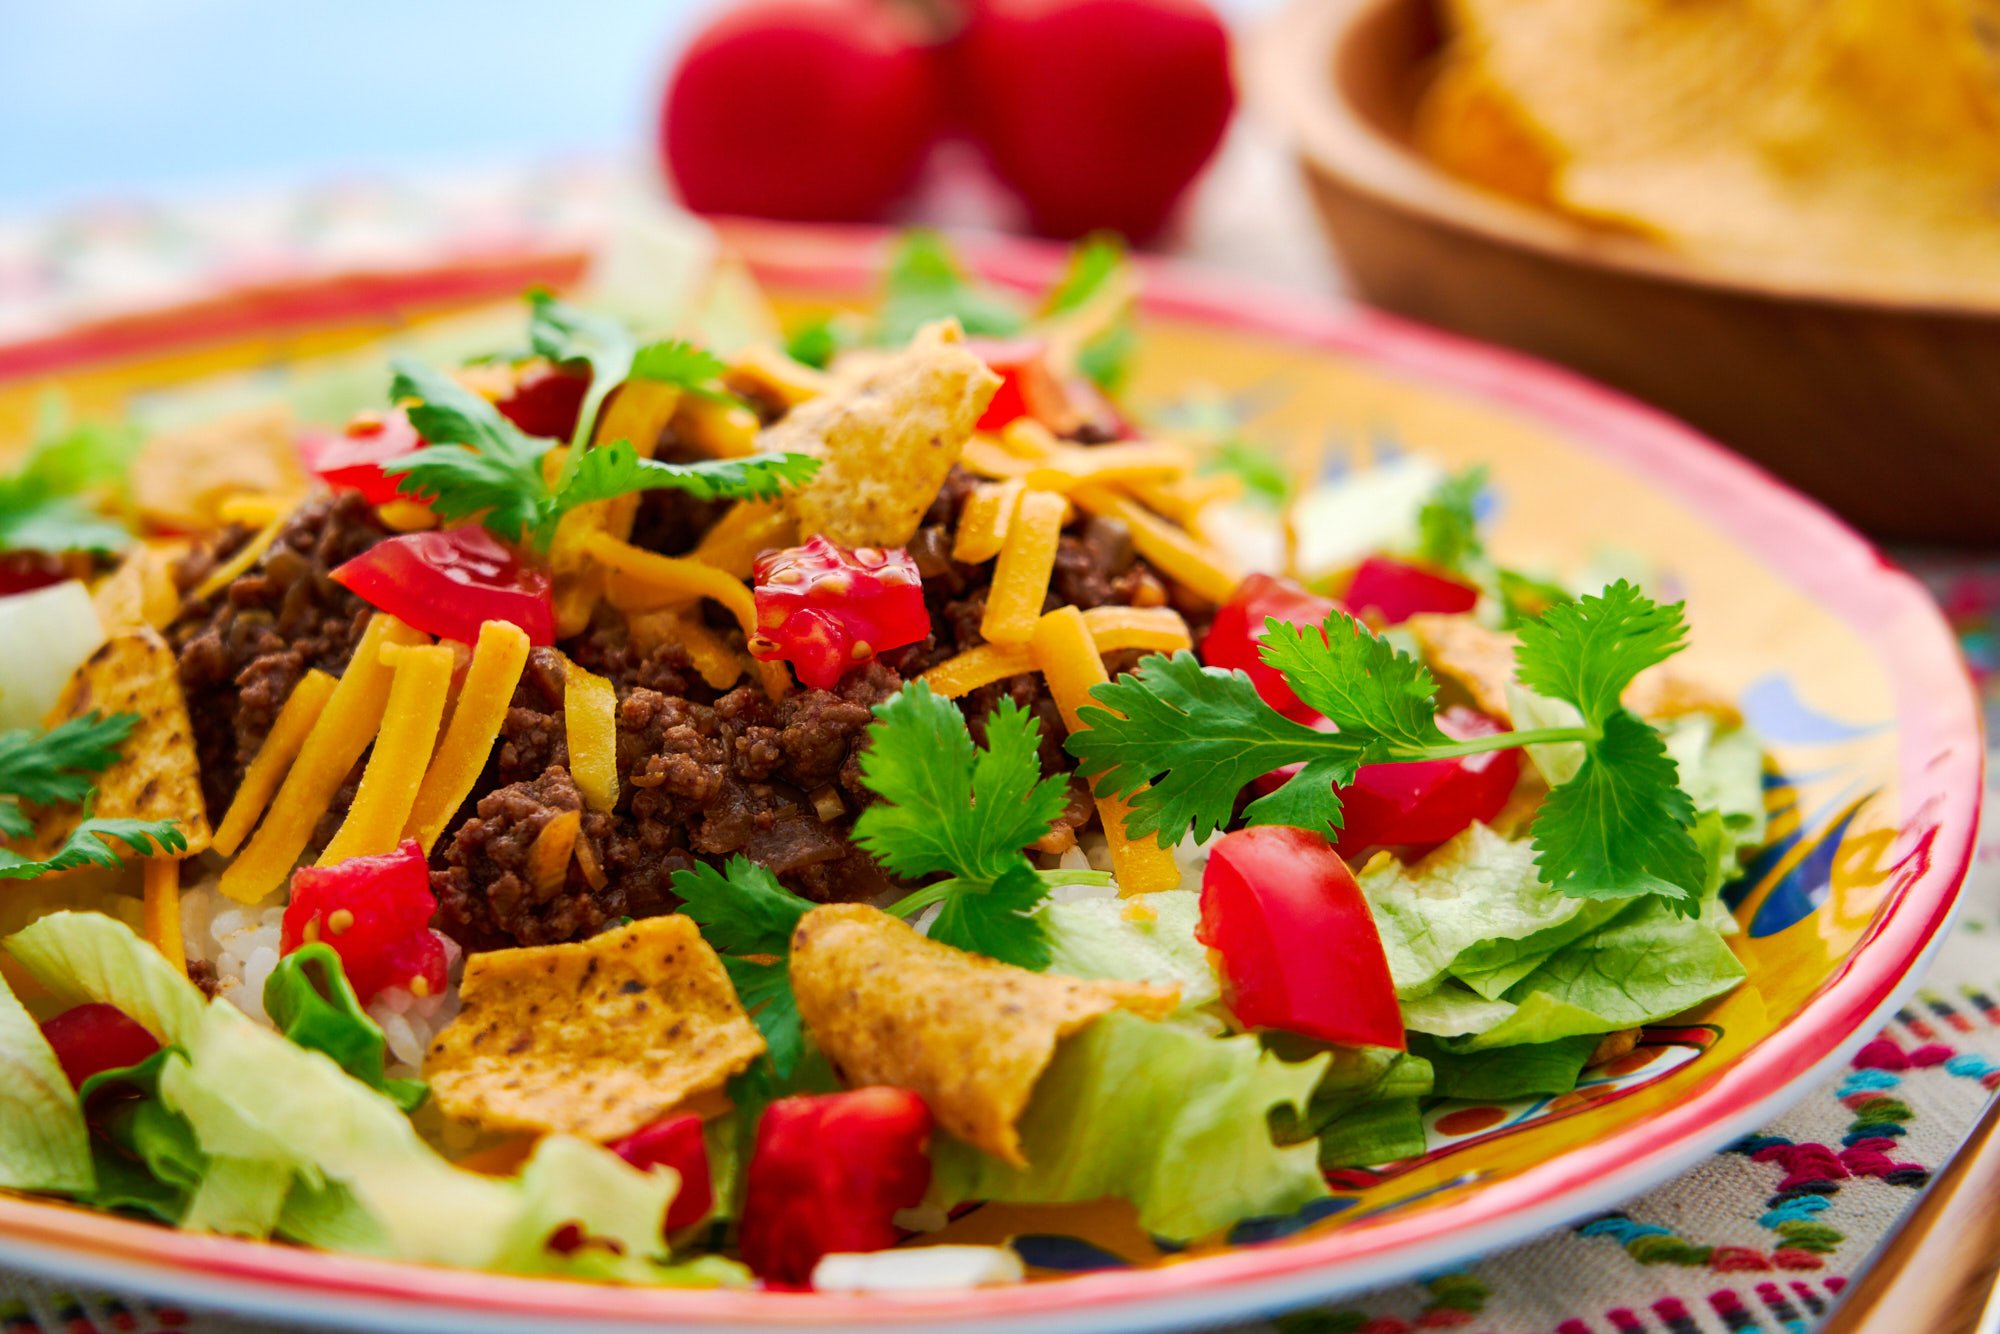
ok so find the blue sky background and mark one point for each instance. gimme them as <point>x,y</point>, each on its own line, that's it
<point>108,98</point>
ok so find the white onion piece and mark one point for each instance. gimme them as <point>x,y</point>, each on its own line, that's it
<point>1365,511</point>
<point>918,1269</point>
<point>44,635</point>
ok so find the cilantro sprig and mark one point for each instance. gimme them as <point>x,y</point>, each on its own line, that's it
<point>1180,741</point>
<point>968,812</point>
<point>1448,536</point>
<point>46,503</point>
<point>749,918</point>
<point>56,767</point>
<point>479,465</point>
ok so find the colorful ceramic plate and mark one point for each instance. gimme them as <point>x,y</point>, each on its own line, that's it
<point>1840,661</point>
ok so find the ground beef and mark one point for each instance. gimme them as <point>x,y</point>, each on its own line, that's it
<point>242,650</point>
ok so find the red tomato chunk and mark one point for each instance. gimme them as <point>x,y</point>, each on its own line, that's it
<point>827,1176</point>
<point>1389,592</point>
<point>1427,802</point>
<point>450,583</point>
<point>90,1039</point>
<point>1297,947</point>
<point>352,460</point>
<point>1239,627</point>
<point>545,402</point>
<point>824,608</point>
<point>375,913</point>
<point>676,1142</point>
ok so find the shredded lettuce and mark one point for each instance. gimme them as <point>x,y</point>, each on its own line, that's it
<point>1506,1074</point>
<point>1094,938</point>
<point>81,957</point>
<point>43,1142</point>
<point>311,1002</point>
<point>1383,1131</point>
<point>1172,1120</point>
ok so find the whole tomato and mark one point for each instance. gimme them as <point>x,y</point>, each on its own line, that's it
<point>803,110</point>
<point>1097,113</point>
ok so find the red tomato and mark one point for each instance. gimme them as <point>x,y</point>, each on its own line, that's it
<point>353,459</point>
<point>676,1142</point>
<point>25,571</point>
<point>1389,592</point>
<point>824,608</point>
<point>808,110</point>
<point>375,913</point>
<point>1298,950</point>
<point>1029,387</point>
<point>90,1039</point>
<point>1098,113</point>
<point>449,583</point>
<point>1429,801</point>
<point>545,401</point>
<point>1239,626</point>
<point>828,1174</point>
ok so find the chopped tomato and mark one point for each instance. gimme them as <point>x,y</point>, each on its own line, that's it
<point>26,571</point>
<point>1428,801</point>
<point>353,459</point>
<point>450,582</point>
<point>1069,405</point>
<point>1238,628</point>
<point>1295,944</point>
<point>375,913</point>
<point>545,401</point>
<point>828,1174</point>
<point>1388,592</point>
<point>824,608</point>
<point>90,1039</point>
<point>676,1142</point>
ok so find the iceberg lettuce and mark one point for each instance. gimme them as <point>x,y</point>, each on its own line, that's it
<point>43,1142</point>
<point>80,957</point>
<point>1093,938</point>
<point>1168,1118</point>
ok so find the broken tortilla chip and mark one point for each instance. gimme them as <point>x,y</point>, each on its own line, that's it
<point>181,477</point>
<point>157,776</point>
<point>140,593</point>
<point>885,442</point>
<point>594,1039</point>
<point>970,1034</point>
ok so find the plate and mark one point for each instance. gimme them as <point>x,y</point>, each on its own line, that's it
<point>1840,660</point>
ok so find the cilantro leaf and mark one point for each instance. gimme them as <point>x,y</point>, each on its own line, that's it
<point>14,822</point>
<point>46,503</point>
<point>1622,826</point>
<point>749,918</point>
<point>1264,476</point>
<point>1198,735</point>
<point>1097,265</point>
<point>1586,653</point>
<point>1358,679</point>
<point>1448,522</point>
<point>477,464</point>
<point>818,341</point>
<point>693,369</point>
<point>617,470</point>
<point>563,332</point>
<point>948,806</point>
<point>56,766</point>
<point>86,847</point>
<point>925,282</point>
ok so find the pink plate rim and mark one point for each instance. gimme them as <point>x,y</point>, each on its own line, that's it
<point>1939,752</point>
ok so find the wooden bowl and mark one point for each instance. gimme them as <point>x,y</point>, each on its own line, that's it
<point>1887,410</point>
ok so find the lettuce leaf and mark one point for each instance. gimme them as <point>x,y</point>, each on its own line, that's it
<point>146,1156</point>
<point>1093,938</point>
<point>1505,1074</point>
<point>1383,1131</point>
<point>1157,1114</point>
<point>80,957</point>
<point>43,1142</point>
<point>311,1002</point>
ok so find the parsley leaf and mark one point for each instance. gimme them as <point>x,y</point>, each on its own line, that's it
<point>749,918</point>
<point>1358,679</point>
<point>925,282</point>
<point>693,369</point>
<point>948,806</point>
<point>563,332</point>
<point>56,766</point>
<point>45,504</point>
<point>617,470</point>
<point>1588,652</point>
<point>86,847</point>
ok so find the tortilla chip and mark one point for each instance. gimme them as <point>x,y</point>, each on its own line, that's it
<point>181,477</point>
<point>885,441</point>
<point>1659,695</point>
<point>157,776</point>
<point>140,593</point>
<point>595,1039</point>
<point>972,1035</point>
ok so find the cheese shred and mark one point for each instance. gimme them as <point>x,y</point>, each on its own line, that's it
<point>408,735</point>
<point>1154,629</point>
<point>239,564</point>
<point>1068,657</point>
<point>162,912</point>
<point>983,523</point>
<point>342,732</point>
<point>590,716</point>
<point>1021,576</point>
<point>497,661</point>
<point>274,758</point>
<point>1173,552</point>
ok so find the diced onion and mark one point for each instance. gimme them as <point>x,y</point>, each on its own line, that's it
<point>61,625</point>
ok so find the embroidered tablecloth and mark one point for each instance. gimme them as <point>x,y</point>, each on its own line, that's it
<point>1760,1237</point>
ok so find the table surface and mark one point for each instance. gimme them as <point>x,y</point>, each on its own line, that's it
<point>1759,1237</point>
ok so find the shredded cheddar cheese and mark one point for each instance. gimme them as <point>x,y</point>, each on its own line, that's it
<point>590,717</point>
<point>274,757</point>
<point>255,507</point>
<point>1175,553</point>
<point>719,430</point>
<point>1021,576</point>
<point>645,580</point>
<point>708,653</point>
<point>1159,629</point>
<point>764,370</point>
<point>162,911</point>
<point>549,855</point>
<point>497,661</point>
<point>1068,658</point>
<point>239,564</point>
<point>395,771</point>
<point>406,516</point>
<point>749,528</point>
<point>343,730</point>
<point>983,523</point>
